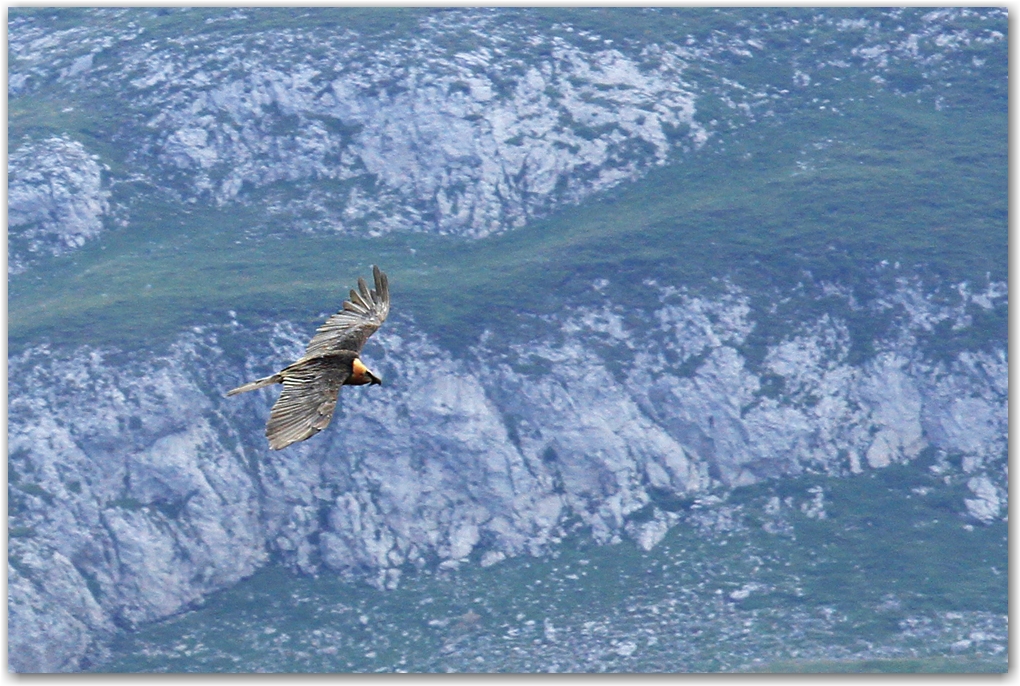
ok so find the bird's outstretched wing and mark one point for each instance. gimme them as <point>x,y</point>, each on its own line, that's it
<point>349,328</point>
<point>310,390</point>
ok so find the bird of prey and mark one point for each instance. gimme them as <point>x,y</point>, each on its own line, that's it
<point>331,360</point>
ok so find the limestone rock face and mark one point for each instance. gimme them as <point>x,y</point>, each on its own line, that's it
<point>467,123</point>
<point>56,200</point>
<point>125,478</point>
<point>505,129</point>
<point>987,505</point>
<point>144,488</point>
<point>56,618</point>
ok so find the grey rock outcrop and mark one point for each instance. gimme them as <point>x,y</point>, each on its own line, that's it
<point>56,619</point>
<point>468,125</point>
<point>148,489</point>
<point>55,200</point>
<point>128,480</point>
<point>498,136</point>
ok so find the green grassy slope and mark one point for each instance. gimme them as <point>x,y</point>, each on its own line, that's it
<point>886,179</point>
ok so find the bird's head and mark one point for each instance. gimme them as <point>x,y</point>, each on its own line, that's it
<point>360,374</point>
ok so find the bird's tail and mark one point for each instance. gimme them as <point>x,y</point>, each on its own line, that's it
<point>259,383</point>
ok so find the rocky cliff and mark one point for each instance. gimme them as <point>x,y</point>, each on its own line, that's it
<point>468,122</point>
<point>55,200</point>
<point>136,487</point>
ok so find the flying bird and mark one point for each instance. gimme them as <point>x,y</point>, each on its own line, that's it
<point>312,384</point>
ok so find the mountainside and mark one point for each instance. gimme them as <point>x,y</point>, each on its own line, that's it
<point>640,260</point>
<point>470,124</point>
<point>145,487</point>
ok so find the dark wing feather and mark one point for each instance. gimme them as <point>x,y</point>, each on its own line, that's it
<point>359,318</point>
<point>310,390</point>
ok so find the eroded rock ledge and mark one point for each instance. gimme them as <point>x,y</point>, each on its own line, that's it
<point>136,487</point>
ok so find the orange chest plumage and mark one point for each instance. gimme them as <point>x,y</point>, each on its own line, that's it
<point>359,374</point>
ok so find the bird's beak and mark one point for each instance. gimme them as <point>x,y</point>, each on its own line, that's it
<point>373,380</point>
